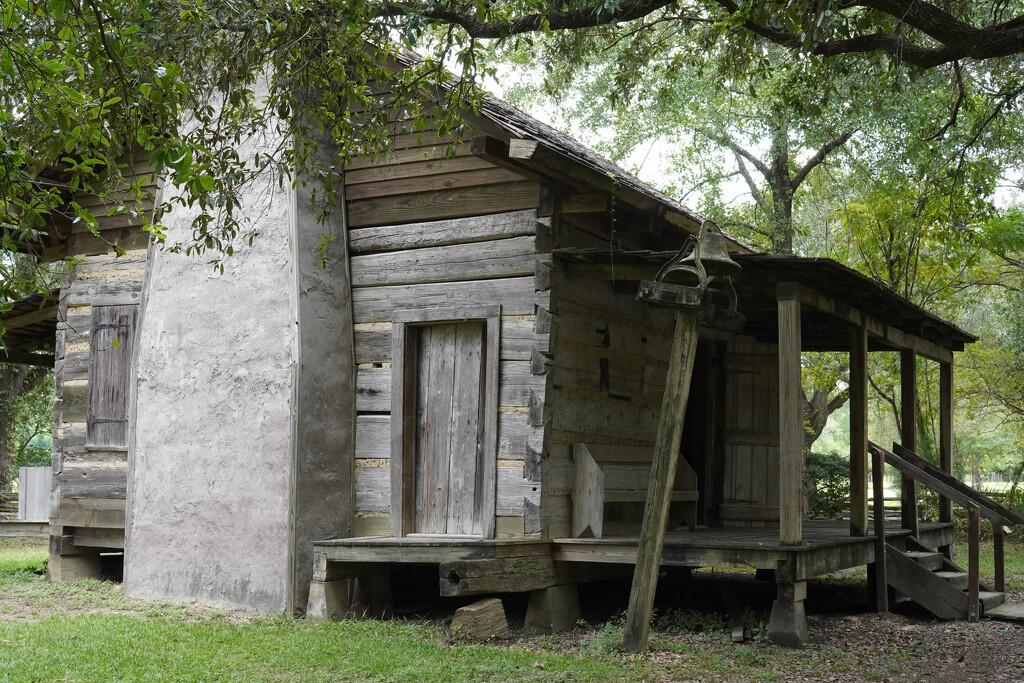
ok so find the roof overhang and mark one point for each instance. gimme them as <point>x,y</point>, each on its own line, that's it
<point>834,297</point>
<point>30,331</point>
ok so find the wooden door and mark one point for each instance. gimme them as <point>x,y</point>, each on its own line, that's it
<point>449,420</point>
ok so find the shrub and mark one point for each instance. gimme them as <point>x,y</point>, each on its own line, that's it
<point>826,484</point>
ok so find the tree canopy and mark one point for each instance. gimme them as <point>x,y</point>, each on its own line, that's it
<point>87,83</point>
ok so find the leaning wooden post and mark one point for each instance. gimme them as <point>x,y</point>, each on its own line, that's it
<point>881,578</point>
<point>973,556</point>
<point>908,436</point>
<point>859,432</point>
<point>791,417</point>
<point>663,474</point>
<point>687,301</point>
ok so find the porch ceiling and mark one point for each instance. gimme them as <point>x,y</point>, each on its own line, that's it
<point>756,291</point>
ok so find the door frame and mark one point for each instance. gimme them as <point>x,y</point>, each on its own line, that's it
<point>403,409</point>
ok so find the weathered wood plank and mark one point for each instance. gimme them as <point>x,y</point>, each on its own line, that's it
<point>73,401</point>
<point>428,183</point>
<point>110,352</point>
<point>414,169</point>
<point>373,489</point>
<point>442,233</point>
<point>93,482</point>
<point>512,257</point>
<point>91,537</point>
<point>373,386</point>
<point>91,512</point>
<point>513,490</point>
<point>518,341</point>
<point>104,292</point>
<point>435,379</point>
<point>465,431</point>
<point>515,436</point>
<point>444,204</point>
<point>516,295</point>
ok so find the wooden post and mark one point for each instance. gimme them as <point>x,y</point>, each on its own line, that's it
<point>998,556</point>
<point>663,474</point>
<point>791,419</point>
<point>973,540</point>
<point>908,436</point>
<point>859,432</point>
<point>946,434</point>
<point>881,578</point>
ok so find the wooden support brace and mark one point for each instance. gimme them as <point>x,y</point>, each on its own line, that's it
<point>663,472</point>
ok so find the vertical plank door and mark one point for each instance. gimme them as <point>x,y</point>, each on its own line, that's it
<point>449,391</point>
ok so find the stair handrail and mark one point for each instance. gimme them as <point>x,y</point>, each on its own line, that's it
<point>977,505</point>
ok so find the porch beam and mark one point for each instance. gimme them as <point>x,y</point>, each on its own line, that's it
<point>858,432</point>
<point>908,434</point>
<point>893,335</point>
<point>791,422</point>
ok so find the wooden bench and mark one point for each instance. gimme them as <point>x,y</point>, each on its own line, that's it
<point>621,474</point>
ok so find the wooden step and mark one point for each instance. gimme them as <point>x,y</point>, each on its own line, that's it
<point>957,580</point>
<point>990,600</point>
<point>928,559</point>
<point>1008,611</point>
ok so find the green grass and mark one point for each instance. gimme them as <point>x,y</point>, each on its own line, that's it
<point>89,631</point>
<point>1013,561</point>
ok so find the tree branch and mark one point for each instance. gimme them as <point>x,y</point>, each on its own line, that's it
<point>819,157</point>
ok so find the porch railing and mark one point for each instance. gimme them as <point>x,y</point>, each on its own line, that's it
<point>977,505</point>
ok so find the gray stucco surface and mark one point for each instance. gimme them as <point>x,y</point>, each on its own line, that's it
<point>209,502</point>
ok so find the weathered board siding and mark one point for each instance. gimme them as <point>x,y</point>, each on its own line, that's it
<point>99,297</point>
<point>750,486</point>
<point>605,384</point>
<point>430,231</point>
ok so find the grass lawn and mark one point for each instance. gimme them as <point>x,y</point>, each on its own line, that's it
<point>88,631</point>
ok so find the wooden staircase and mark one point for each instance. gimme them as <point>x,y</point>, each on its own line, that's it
<point>936,583</point>
<point>929,578</point>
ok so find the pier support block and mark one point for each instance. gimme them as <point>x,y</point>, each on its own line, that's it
<point>788,624</point>
<point>553,609</point>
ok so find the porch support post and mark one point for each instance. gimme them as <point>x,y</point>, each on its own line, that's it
<point>859,432</point>
<point>791,421</point>
<point>908,435</point>
<point>946,434</point>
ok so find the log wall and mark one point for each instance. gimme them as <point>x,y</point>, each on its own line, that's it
<point>99,296</point>
<point>606,378</point>
<point>432,230</point>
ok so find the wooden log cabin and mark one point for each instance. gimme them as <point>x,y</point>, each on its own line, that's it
<point>467,381</point>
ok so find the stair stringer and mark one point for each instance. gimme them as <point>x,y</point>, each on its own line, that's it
<point>923,586</point>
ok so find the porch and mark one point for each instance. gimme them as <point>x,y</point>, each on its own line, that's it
<point>352,575</point>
